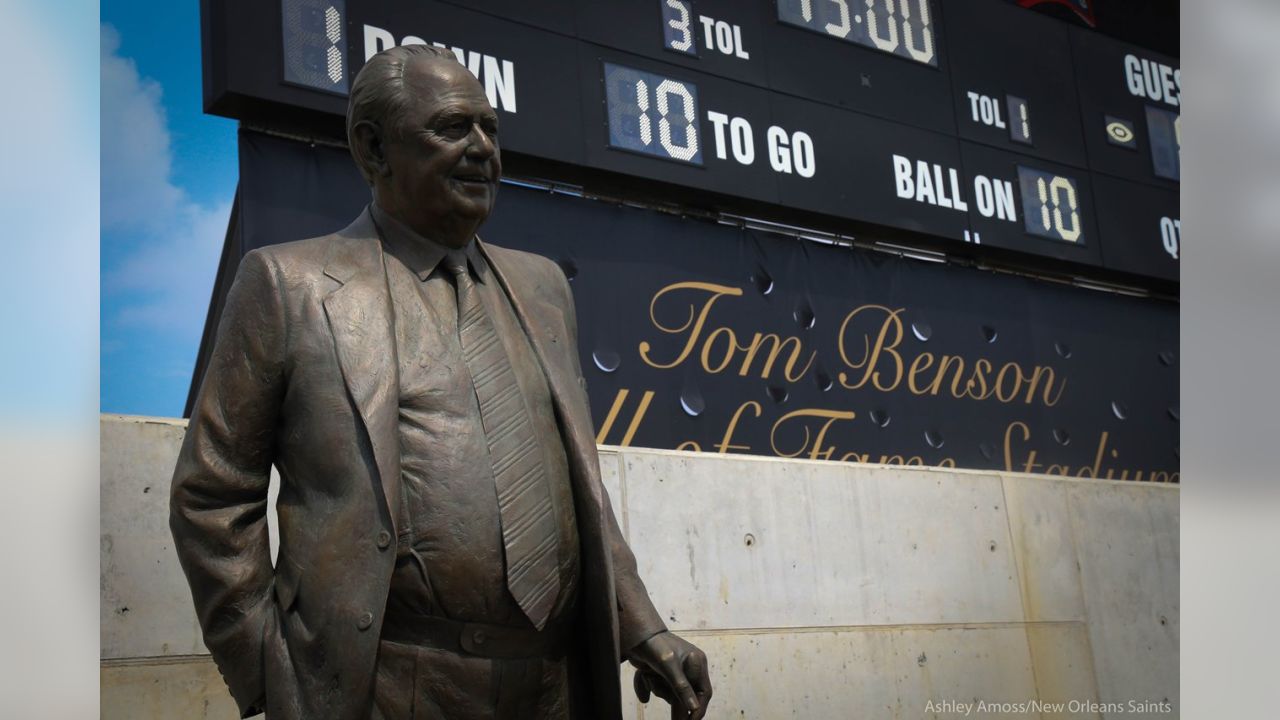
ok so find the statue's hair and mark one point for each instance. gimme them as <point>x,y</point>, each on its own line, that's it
<point>378,94</point>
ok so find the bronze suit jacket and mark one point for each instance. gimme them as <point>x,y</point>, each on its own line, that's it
<point>304,375</point>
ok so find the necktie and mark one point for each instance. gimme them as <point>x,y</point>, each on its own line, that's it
<point>524,496</point>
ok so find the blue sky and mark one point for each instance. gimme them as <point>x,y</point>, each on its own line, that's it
<point>168,178</point>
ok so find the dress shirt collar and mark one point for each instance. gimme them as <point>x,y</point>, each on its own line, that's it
<point>420,254</point>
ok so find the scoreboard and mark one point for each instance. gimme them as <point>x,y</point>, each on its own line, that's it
<point>968,122</point>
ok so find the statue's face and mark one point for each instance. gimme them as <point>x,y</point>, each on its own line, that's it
<point>443,156</point>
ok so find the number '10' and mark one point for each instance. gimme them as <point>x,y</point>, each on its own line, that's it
<point>886,39</point>
<point>665,90</point>
<point>1051,192</point>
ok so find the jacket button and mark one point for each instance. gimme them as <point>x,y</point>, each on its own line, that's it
<point>366,619</point>
<point>478,637</point>
<point>384,539</point>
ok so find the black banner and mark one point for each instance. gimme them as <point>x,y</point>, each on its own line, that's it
<point>707,337</point>
<point>703,336</point>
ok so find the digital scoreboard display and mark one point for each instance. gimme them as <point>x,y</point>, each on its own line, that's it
<point>678,26</point>
<point>970,124</point>
<point>1165,129</point>
<point>652,114</point>
<point>1050,205</point>
<point>1020,125</point>
<point>903,28</point>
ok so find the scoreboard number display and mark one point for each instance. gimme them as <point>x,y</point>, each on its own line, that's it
<point>678,26</point>
<point>1019,120</point>
<point>1050,205</point>
<point>900,27</point>
<point>652,114</point>
<point>1165,131</point>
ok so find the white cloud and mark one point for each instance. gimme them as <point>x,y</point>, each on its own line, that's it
<point>177,272</point>
<point>136,158</point>
<point>173,243</point>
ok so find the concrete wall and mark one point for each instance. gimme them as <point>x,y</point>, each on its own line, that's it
<point>818,590</point>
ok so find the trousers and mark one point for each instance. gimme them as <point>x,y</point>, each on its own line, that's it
<point>423,683</point>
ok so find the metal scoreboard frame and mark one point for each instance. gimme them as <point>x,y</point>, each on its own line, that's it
<point>972,127</point>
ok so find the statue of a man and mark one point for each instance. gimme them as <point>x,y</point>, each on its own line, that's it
<point>447,549</point>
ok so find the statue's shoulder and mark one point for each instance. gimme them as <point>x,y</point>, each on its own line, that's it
<point>520,261</point>
<point>534,274</point>
<point>299,252</point>
<point>310,257</point>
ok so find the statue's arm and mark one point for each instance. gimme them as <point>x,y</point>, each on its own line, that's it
<point>219,494</point>
<point>637,618</point>
<point>666,664</point>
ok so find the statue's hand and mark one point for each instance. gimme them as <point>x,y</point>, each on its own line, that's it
<point>676,671</point>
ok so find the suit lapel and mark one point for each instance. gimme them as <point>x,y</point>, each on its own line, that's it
<point>361,319</point>
<point>539,322</point>
<point>533,315</point>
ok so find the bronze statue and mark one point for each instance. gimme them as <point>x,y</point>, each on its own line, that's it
<point>447,549</point>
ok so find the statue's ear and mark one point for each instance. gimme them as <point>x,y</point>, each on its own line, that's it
<point>370,148</point>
